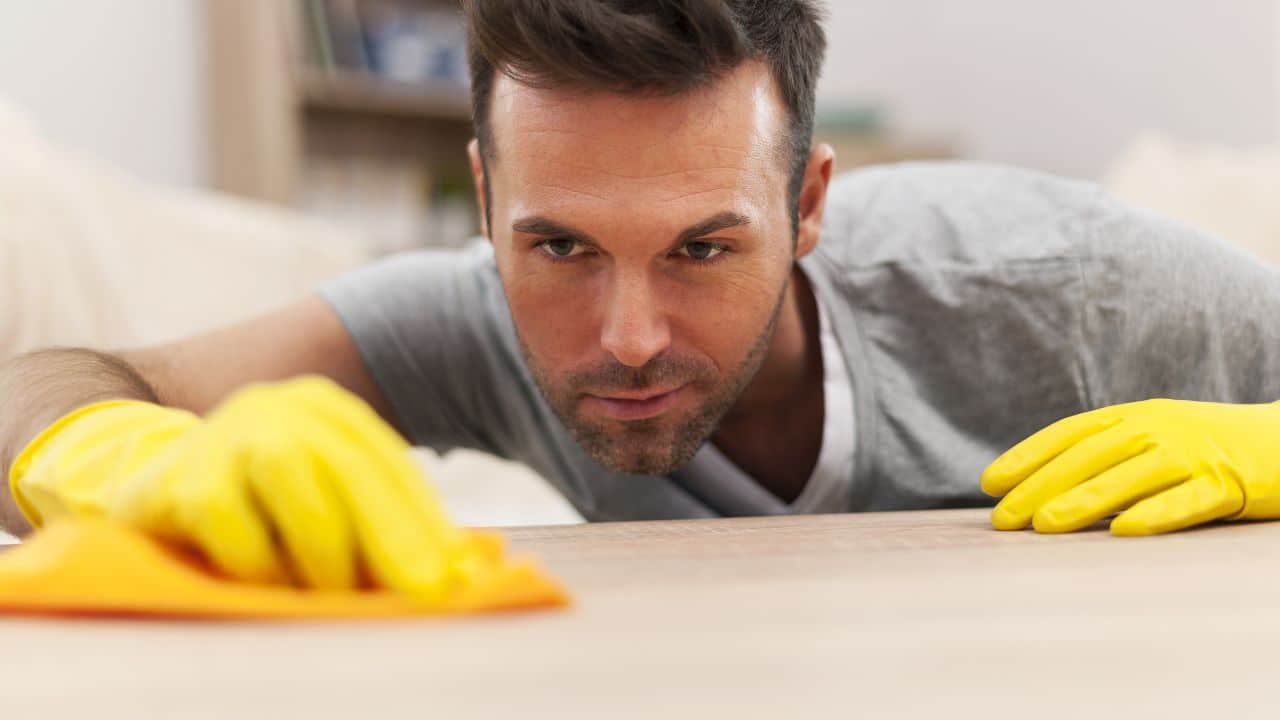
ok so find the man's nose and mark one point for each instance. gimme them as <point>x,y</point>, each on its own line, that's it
<point>635,326</point>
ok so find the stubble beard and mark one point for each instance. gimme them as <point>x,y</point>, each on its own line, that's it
<point>660,445</point>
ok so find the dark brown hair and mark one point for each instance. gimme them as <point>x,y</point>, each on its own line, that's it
<point>647,46</point>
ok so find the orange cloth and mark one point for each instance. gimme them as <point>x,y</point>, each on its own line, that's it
<point>93,567</point>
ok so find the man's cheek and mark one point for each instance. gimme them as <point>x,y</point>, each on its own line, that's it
<point>556,340</point>
<point>729,316</point>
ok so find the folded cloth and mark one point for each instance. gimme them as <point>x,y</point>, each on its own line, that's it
<point>94,567</point>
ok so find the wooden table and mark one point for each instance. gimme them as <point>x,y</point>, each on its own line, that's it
<point>905,615</point>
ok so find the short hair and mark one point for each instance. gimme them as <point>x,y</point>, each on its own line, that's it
<point>664,47</point>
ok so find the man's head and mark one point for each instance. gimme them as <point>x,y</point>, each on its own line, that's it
<point>647,182</point>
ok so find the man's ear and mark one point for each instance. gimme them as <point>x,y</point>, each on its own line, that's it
<point>477,176</point>
<point>813,197</point>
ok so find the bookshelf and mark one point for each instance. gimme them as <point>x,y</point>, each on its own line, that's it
<point>362,133</point>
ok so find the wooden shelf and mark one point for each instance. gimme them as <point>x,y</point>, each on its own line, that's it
<point>359,93</point>
<point>272,113</point>
<point>386,159</point>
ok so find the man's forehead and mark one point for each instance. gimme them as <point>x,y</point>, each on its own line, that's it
<point>728,125</point>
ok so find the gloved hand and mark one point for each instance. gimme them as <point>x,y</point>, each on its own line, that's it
<point>1167,464</point>
<point>299,480</point>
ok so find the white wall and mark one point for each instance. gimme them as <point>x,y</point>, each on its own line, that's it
<point>119,80</point>
<point>1061,85</point>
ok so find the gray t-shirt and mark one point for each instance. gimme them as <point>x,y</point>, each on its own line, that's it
<point>973,306</point>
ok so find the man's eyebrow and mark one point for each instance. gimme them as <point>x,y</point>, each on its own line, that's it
<point>720,221</point>
<point>546,227</point>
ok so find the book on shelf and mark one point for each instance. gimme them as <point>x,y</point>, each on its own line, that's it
<point>402,42</point>
<point>319,42</point>
<point>347,32</point>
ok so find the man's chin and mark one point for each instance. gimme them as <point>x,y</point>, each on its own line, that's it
<point>641,448</point>
<point>656,462</point>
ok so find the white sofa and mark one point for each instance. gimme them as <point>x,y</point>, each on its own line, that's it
<point>91,257</point>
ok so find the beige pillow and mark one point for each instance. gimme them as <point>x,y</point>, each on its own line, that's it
<point>1228,192</point>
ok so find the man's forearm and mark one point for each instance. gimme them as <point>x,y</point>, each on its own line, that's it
<point>38,388</point>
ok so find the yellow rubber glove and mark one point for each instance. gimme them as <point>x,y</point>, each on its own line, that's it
<point>1164,465</point>
<point>293,481</point>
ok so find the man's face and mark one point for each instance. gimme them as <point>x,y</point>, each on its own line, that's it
<point>645,245</point>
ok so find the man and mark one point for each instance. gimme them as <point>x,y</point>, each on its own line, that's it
<point>674,315</point>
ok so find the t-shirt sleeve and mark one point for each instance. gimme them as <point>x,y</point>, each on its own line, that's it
<point>1171,312</point>
<point>424,324</point>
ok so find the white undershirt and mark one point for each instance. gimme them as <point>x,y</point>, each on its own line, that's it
<point>727,489</point>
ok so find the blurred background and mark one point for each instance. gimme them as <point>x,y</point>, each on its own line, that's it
<point>356,110</point>
<point>167,166</point>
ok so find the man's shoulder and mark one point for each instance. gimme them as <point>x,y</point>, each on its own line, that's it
<point>445,291</point>
<point>951,213</point>
<point>475,256</point>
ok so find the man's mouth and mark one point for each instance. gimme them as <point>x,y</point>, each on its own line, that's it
<point>635,405</point>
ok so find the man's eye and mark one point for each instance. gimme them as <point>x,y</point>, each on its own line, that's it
<point>561,247</point>
<point>702,250</point>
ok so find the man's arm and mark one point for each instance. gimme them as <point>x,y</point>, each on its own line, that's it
<point>193,374</point>
<point>38,388</point>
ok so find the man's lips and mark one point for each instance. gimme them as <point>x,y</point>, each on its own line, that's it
<point>633,405</point>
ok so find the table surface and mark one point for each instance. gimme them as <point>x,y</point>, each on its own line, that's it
<point>903,614</point>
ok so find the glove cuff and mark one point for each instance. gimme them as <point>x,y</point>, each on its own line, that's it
<point>117,418</point>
